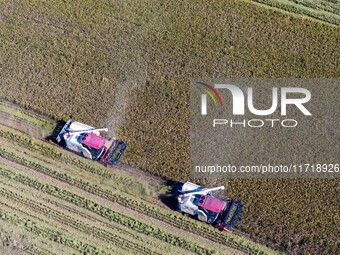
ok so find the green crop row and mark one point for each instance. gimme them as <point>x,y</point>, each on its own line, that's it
<point>320,4</point>
<point>50,234</point>
<point>35,250</point>
<point>115,228</point>
<point>19,204</point>
<point>140,206</point>
<point>76,224</point>
<point>327,17</point>
<point>107,212</point>
<point>14,111</point>
<point>91,218</point>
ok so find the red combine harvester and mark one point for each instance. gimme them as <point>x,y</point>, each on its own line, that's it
<point>88,142</point>
<point>198,202</point>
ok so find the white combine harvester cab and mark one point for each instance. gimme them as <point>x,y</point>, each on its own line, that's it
<point>88,142</point>
<point>74,140</point>
<point>191,193</point>
<point>198,201</point>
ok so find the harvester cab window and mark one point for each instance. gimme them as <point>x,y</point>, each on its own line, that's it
<point>80,138</point>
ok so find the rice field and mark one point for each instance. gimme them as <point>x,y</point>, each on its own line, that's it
<point>126,65</point>
<point>55,202</point>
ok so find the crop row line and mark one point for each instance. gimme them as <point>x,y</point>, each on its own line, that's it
<point>107,212</point>
<point>12,110</point>
<point>297,9</point>
<point>91,218</point>
<point>133,204</point>
<point>31,249</point>
<point>35,250</point>
<point>139,206</point>
<point>76,224</point>
<point>49,233</point>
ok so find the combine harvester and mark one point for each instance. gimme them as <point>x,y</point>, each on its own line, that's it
<point>198,202</point>
<point>87,141</point>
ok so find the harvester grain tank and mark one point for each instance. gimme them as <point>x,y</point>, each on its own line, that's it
<point>199,202</point>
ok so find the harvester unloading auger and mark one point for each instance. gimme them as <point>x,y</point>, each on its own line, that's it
<point>197,201</point>
<point>87,141</point>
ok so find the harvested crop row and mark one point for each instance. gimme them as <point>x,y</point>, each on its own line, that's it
<point>330,15</point>
<point>106,212</point>
<point>85,216</point>
<point>88,217</point>
<point>140,206</point>
<point>77,224</point>
<point>17,240</point>
<point>35,250</point>
<point>36,229</point>
<point>25,116</point>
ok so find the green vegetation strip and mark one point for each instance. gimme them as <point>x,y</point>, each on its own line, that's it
<point>76,224</point>
<point>52,235</point>
<point>332,6</point>
<point>26,116</point>
<point>140,206</point>
<point>106,212</point>
<point>306,8</point>
<point>16,197</point>
<point>35,250</point>
<point>91,218</point>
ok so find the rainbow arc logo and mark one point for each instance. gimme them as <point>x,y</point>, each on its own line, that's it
<point>211,91</point>
<point>207,89</point>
